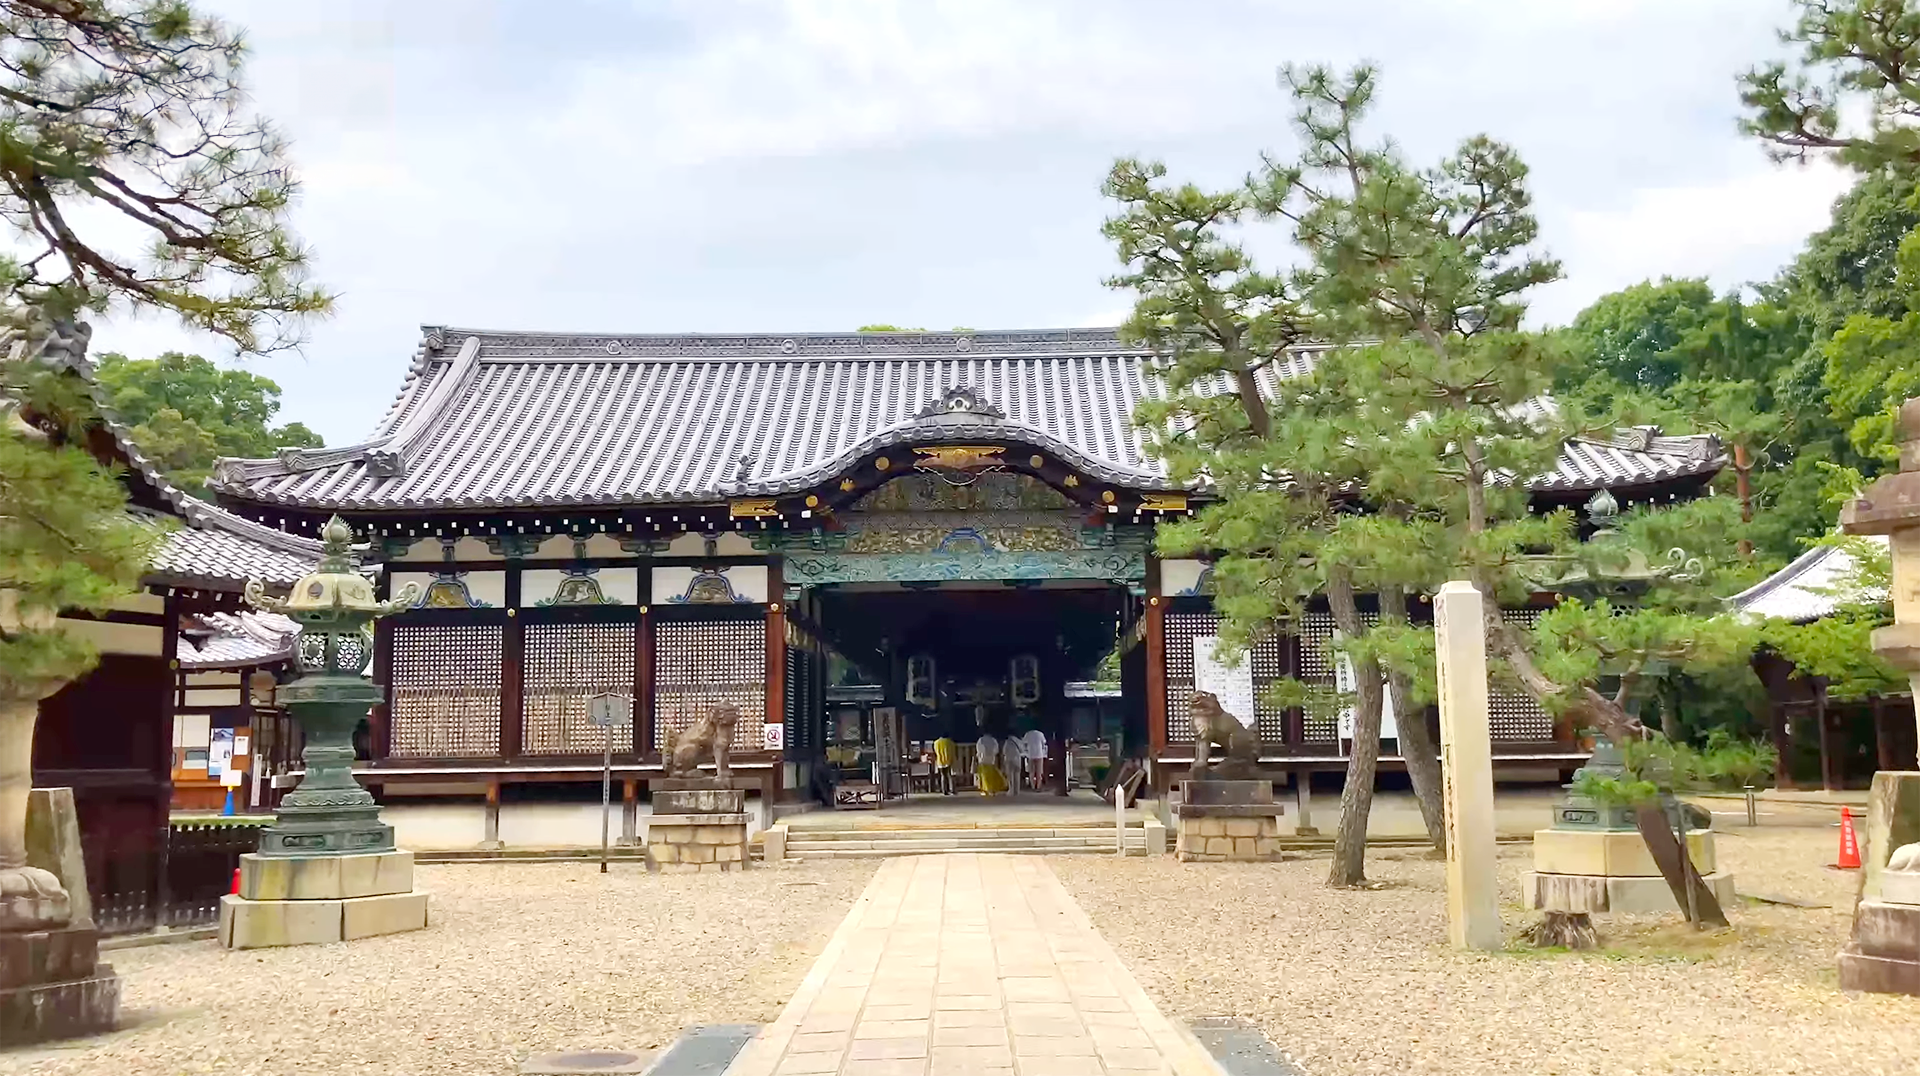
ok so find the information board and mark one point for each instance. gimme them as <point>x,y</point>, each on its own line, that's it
<point>1232,686</point>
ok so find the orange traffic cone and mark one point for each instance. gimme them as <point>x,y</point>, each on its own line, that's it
<point>1849,844</point>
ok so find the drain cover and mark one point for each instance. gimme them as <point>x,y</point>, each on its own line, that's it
<point>586,1061</point>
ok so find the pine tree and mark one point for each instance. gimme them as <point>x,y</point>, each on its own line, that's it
<point>116,116</point>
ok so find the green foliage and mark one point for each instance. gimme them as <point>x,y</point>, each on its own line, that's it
<point>1386,467</point>
<point>1853,54</point>
<point>1657,763</point>
<point>1837,646</point>
<point>1638,336</point>
<point>66,538</point>
<point>185,411</point>
<point>121,116</point>
<point>882,328</point>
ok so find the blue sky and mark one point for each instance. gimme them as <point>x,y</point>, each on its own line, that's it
<point>595,165</point>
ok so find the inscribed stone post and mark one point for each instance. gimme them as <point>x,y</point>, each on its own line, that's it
<point>1466,758</point>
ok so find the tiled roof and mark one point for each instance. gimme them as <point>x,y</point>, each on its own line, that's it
<point>1811,587</point>
<point>213,548</point>
<point>237,639</point>
<point>217,550</point>
<point>502,420</point>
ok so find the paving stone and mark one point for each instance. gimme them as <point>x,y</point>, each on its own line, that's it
<point>874,1049</point>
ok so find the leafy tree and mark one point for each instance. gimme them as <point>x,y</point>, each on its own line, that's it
<point>1637,336</point>
<point>185,411</point>
<point>1421,275</point>
<point>117,117</point>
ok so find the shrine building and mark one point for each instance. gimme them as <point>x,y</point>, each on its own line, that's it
<point>821,529</point>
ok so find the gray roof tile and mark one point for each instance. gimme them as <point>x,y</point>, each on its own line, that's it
<point>501,420</point>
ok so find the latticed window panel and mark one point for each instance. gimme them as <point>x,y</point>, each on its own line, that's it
<point>445,691</point>
<point>1179,633</point>
<point>563,665</point>
<point>1513,717</point>
<point>1320,724</point>
<point>698,664</point>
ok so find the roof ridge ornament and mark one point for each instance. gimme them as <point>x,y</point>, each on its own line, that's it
<point>964,400</point>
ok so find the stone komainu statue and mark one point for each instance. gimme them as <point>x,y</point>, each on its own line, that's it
<point>1214,725</point>
<point>712,732</point>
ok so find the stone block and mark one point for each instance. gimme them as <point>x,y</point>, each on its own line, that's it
<point>1879,974</point>
<point>1241,827</point>
<point>1268,847</point>
<point>729,853</point>
<point>774,845</point>
<point>1889,930</point>
<point>696,853</point>
<point>732,819</point>
<point>1900,887</point>
<point>1219,846</point>
<point>1156,833</point>
<point>325,877</point>
<point>1600,893</point>
<point>1206,792</point>
<point>1610,853</point>
<point>700,801</point>
<point>390,913</point>
<point>1892,820</point>
<point>37,957</point>
<point>45,1011</point>
<point>1244,847</point>
<point>262,924</point>
<point>53,845</point>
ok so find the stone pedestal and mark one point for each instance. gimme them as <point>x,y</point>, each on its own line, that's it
<point>1599,870</point>
<point>697,825</point>
<point>310,900</point>
<point>52,986</point>
<point>1883,953</point>
<point>1224,821</point>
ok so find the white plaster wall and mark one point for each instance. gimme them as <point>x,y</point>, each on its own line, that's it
<point>1180,576</point>
<point>726,544</point>
<point>437,827</point>
<point>429,550</point>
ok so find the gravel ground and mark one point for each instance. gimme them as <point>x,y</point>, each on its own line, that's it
<point>1362,982</point>
<point>521,958</point>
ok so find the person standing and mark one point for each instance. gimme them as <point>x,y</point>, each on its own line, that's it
<point>986,765</point>
<point>1010,760</point>
<point>1034,747</point>
<point>943,765</point>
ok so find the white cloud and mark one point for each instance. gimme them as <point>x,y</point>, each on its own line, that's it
<point>1732,232</point>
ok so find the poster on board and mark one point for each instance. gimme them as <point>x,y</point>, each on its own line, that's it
<point>219,752</point>
<point>1346,683</point>
<point>1232,686</point>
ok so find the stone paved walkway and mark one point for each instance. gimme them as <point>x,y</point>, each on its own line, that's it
<point>970,965</point>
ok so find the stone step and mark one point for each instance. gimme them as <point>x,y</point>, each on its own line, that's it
<point>883,853</point>
<point>908,833</point>
<point>809,849</point>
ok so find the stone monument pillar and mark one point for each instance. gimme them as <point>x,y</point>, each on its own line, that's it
<point>327,869</point>
<point>1883,954</point>
<point>52,985</point>
<point>1466,766</point>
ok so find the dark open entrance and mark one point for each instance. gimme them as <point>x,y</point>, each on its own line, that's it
<point>959,659</point>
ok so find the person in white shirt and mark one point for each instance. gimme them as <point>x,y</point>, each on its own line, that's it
<point>986,752</point>
<point>1010,759</point>
<point>1034,747</point>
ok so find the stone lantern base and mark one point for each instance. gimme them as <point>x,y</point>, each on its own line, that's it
<point>699,826</point>
<point>1227,821</point>
<point>52,986</point>
<point>310,900</point>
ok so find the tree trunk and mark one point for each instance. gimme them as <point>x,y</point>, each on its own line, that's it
<point>1416,742</point>
<point>1675,865</point>
<point>1356,798</point>
<point>1563,930</point>
<point>1743,489</point>
<point>30,898</point>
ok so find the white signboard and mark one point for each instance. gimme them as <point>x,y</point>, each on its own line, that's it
<point>1232,686</point>
<point>232,778</point>
<point>773,737</point>
<point>609,710</point>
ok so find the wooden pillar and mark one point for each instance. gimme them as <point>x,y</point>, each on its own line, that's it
<point>1782,742</point>
<point>512,654</point>
<point>1882,747</point>
<point>490,833</point>
<point>1829,774</point>
<point>1156,674</point>
<point>380,718</point>
<point>629,813</point>
<point>643,684</point>
<point>776,709</point>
